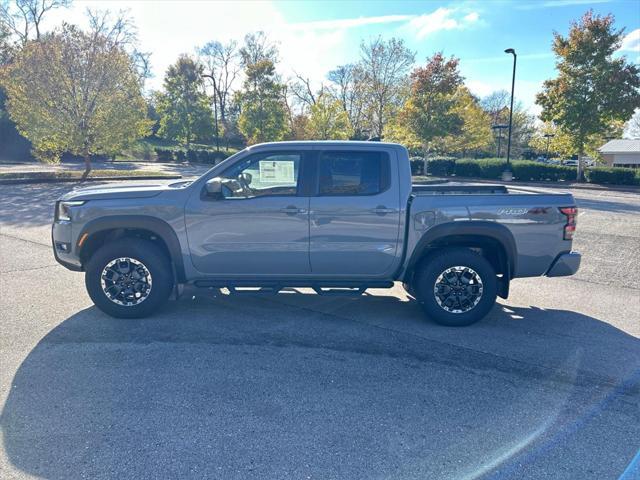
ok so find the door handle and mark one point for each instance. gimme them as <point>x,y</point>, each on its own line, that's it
<point>382,210</point>
<point>291,210</point>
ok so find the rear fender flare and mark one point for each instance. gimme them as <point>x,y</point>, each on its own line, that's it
<point>472,229</point>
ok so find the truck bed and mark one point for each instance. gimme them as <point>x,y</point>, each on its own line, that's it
<point>458,188</point>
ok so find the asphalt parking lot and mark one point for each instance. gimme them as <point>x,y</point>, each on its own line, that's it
<point>306,387</point>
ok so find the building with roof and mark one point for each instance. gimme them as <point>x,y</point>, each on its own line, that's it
<point>621,153</point>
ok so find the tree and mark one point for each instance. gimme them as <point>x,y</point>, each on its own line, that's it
<point>592,88</point>
<point>430,112</point>
<point>558,141</point>
<point>24,17</point>
<point>6,46</point>
<point>350,88</point>
<point>183,106</point>
<point>121,31</point>
<point>385,65</point>
<point>496,104</point>
<point>222,67</point>
<point>76,92</point>
<point>475,133</point>
<point>262,113</point>
<point>632,127</point>
<point>328,120</point>
<point>258,47</point>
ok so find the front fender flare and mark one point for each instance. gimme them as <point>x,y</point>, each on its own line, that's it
<point>154,225</point>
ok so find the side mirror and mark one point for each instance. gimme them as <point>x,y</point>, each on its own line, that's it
<point>214,186</point>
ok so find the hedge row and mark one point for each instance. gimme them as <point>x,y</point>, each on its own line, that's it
<point>523,170</point>
<point>191,155</point>
<point>613,175</point>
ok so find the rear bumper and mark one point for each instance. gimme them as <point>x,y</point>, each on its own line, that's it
<point>564,265</point>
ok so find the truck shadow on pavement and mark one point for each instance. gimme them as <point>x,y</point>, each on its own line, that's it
<point>277,388</point>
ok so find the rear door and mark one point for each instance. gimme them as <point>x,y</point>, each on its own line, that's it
<point>355,213</point>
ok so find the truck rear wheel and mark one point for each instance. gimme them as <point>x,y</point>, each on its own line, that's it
<point>129,278</point>
<point>456,286</point>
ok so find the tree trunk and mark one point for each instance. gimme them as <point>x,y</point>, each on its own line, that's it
<point>87,166</point>
<point>425,160</point>
<point>580,167</point>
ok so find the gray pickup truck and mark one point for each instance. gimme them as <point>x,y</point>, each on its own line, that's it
<point>339,217</point>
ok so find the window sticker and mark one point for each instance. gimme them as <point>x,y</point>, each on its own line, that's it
<point>277,171</point>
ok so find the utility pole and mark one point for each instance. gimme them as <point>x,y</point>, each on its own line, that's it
<point>507,175</point>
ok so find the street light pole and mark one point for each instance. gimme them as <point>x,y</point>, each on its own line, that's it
<point>507,175</point>
<point>499,128</point>
<point>548,136</point>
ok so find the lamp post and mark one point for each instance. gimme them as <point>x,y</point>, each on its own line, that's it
<point>499,128</point>
<point>507,175</point>
<point>548,136</point>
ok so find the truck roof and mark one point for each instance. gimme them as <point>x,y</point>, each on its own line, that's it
<point>324,143</point>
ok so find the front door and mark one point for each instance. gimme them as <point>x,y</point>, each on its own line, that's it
<point>261,227</point>
<point>355,215</point>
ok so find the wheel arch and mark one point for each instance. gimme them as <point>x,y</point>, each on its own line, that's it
<point>494,241</point>
<point>97,232</point>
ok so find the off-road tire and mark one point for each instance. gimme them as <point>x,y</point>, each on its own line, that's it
<point>150,256</point>
<point>438,262</point>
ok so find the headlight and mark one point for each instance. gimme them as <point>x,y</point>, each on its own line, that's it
<point>63,211</point>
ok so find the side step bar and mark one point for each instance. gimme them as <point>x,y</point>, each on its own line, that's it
<point>335,288</point>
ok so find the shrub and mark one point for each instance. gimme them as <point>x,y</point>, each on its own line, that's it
<point>535,171</point>
<point>164,154</point>
<point>524,170</point>
<point>469,168</point>
<point>613,175</point>
<point>180,155</point>
<point>491,167</point>
<point>440,166</point>
<point>192,155</point>
<point>417,165</point>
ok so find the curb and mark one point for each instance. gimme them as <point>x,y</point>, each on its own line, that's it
<point>22,181</point>
<point>560,185</point>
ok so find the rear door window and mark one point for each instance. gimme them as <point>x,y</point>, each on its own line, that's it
<point>343,173</point>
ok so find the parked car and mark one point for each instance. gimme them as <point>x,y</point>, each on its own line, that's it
<point>339,217</point>
<point>570,162</point>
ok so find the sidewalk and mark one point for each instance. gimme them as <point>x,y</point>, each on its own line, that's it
<point>186,169</point>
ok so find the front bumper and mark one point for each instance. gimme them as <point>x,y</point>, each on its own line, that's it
<point>63,246</point>
<point>564,265</point>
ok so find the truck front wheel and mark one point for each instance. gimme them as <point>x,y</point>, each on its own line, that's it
<point>129,278</point>
<point>456,286</point>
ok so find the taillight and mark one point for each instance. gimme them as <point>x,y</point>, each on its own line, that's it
<point>572,216</point>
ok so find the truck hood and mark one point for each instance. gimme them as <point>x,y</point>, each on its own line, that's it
<point>119,190</point>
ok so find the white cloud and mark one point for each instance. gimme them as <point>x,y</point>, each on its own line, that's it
<point>440,19</point>
<point>472,17</point>
<point>557,3</point>
<point>349,22</point>
<point>482,89</point>
<point>631,42</point>
<point>508,58</point>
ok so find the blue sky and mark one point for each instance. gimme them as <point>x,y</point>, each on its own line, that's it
<point>314,37</point>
